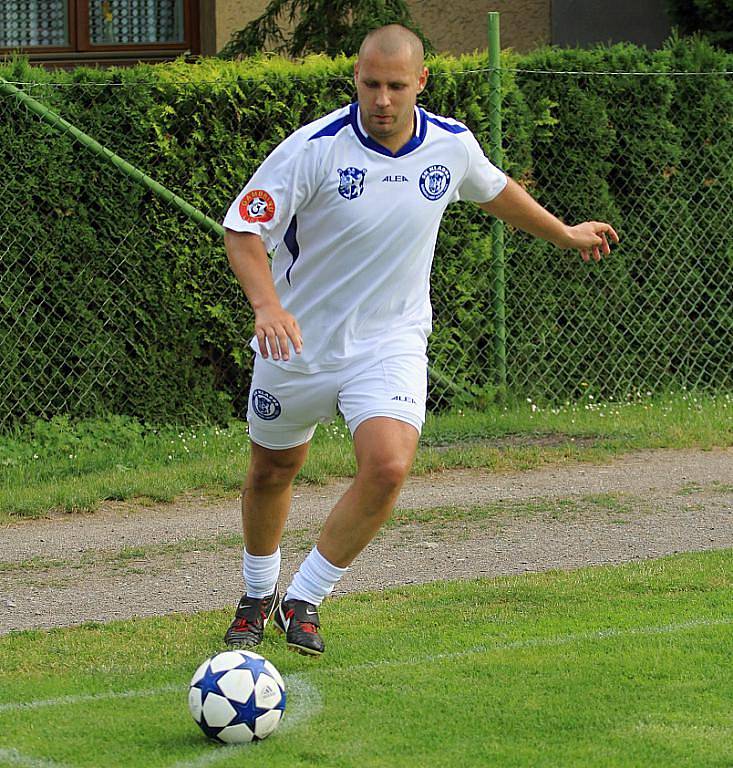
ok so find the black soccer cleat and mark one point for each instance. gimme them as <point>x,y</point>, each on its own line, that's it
<point>250,620</point>
<point>298,621</point>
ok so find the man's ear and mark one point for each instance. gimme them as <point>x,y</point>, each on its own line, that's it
<point>422,80</point>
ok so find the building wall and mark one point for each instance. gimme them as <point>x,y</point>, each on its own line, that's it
<point>461,27</point>
<point>232,15</point>
<point>453,26</point>
<point>584,22</point>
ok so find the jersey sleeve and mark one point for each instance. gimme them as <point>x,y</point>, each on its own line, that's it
<point>281,185</point>
<point>483,181</point>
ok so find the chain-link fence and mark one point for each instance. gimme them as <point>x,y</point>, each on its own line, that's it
<point>657,314</point>
<point>113,302</point>
<point>96,279</point>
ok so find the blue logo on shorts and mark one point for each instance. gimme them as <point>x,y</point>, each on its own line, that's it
<point>434,181</point>
<point>265,405</point>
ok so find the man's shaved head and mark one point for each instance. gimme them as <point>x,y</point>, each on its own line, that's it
<point>389,74</point>
<point>391,40</point>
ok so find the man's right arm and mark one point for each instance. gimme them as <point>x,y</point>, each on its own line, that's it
<point>273,325</point>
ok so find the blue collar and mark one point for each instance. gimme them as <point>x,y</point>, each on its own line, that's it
<point>416,140</point>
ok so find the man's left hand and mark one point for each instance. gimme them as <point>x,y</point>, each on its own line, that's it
<point>590,238</point>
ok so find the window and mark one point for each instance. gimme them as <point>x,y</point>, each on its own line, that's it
<point>28,23</point>
<point>99,29</point>
<point>114,22</point>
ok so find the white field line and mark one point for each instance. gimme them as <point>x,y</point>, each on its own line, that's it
<point>548,642</point>
<point>308,699</point>
<point>545,642</point>
<point>11,757</point>
<point>85,697</point>
<point>308,702</point>
<point>304,701</point>
<point>293,683</point>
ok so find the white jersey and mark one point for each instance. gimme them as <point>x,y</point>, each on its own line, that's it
<point>353,230</point>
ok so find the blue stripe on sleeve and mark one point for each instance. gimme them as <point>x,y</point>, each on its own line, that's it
<point>332,128</point>
<point>291,241</point>
<point>450,127</point>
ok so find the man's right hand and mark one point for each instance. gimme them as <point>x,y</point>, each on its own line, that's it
<point>274,327</point>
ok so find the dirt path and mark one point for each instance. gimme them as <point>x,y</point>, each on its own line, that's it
<point>127,560</point>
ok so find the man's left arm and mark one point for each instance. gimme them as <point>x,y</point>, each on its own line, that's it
<point>518,208</point>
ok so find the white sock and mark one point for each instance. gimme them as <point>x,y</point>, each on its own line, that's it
<point>315,579</point>
<point>260,573</point>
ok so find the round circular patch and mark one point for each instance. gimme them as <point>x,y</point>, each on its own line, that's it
<point>434,181</point>
<point>265,405</point>
<point>257,207</point>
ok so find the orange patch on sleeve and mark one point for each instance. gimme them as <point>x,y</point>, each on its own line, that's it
<point>257,207</point>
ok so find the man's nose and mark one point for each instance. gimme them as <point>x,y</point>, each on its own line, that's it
<point>383,97</point>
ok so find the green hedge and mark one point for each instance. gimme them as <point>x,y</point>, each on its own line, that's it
<point>81,237</point>
<point>179,350</point>
<point>652,154</point>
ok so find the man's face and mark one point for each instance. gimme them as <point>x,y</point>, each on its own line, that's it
<point>387,86</point>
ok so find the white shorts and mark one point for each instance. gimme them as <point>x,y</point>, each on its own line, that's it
<point>286,406</point>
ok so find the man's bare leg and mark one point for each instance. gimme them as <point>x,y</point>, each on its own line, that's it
<point>266,495</point>
<point>385,450</point>
<point>266,498</point>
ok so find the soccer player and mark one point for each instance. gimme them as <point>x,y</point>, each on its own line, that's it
<point>351,205</point>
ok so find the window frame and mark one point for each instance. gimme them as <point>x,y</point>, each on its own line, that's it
<point>81,47</point>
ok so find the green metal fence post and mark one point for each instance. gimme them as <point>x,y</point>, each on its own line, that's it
<point>497,228</point>
<point>64,126</point>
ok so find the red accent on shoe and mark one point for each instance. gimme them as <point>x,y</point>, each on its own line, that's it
<point>308,627</point>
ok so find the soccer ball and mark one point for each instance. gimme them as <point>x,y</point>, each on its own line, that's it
<point>236,697</point>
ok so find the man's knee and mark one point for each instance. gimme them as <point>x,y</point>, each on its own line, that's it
<point>274,469</point>
<point>386,475</point>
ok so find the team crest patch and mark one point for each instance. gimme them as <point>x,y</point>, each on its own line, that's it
<point>351,182</point>
<point>434,181</point>
<point>257,207</point>
<point>265,405</point>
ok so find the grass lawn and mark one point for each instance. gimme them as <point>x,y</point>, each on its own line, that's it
<point>60,466</point>
<point>609,666</point>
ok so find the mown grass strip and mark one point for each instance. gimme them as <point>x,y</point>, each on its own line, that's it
<point>578,507</point>
<point>611,666</point>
